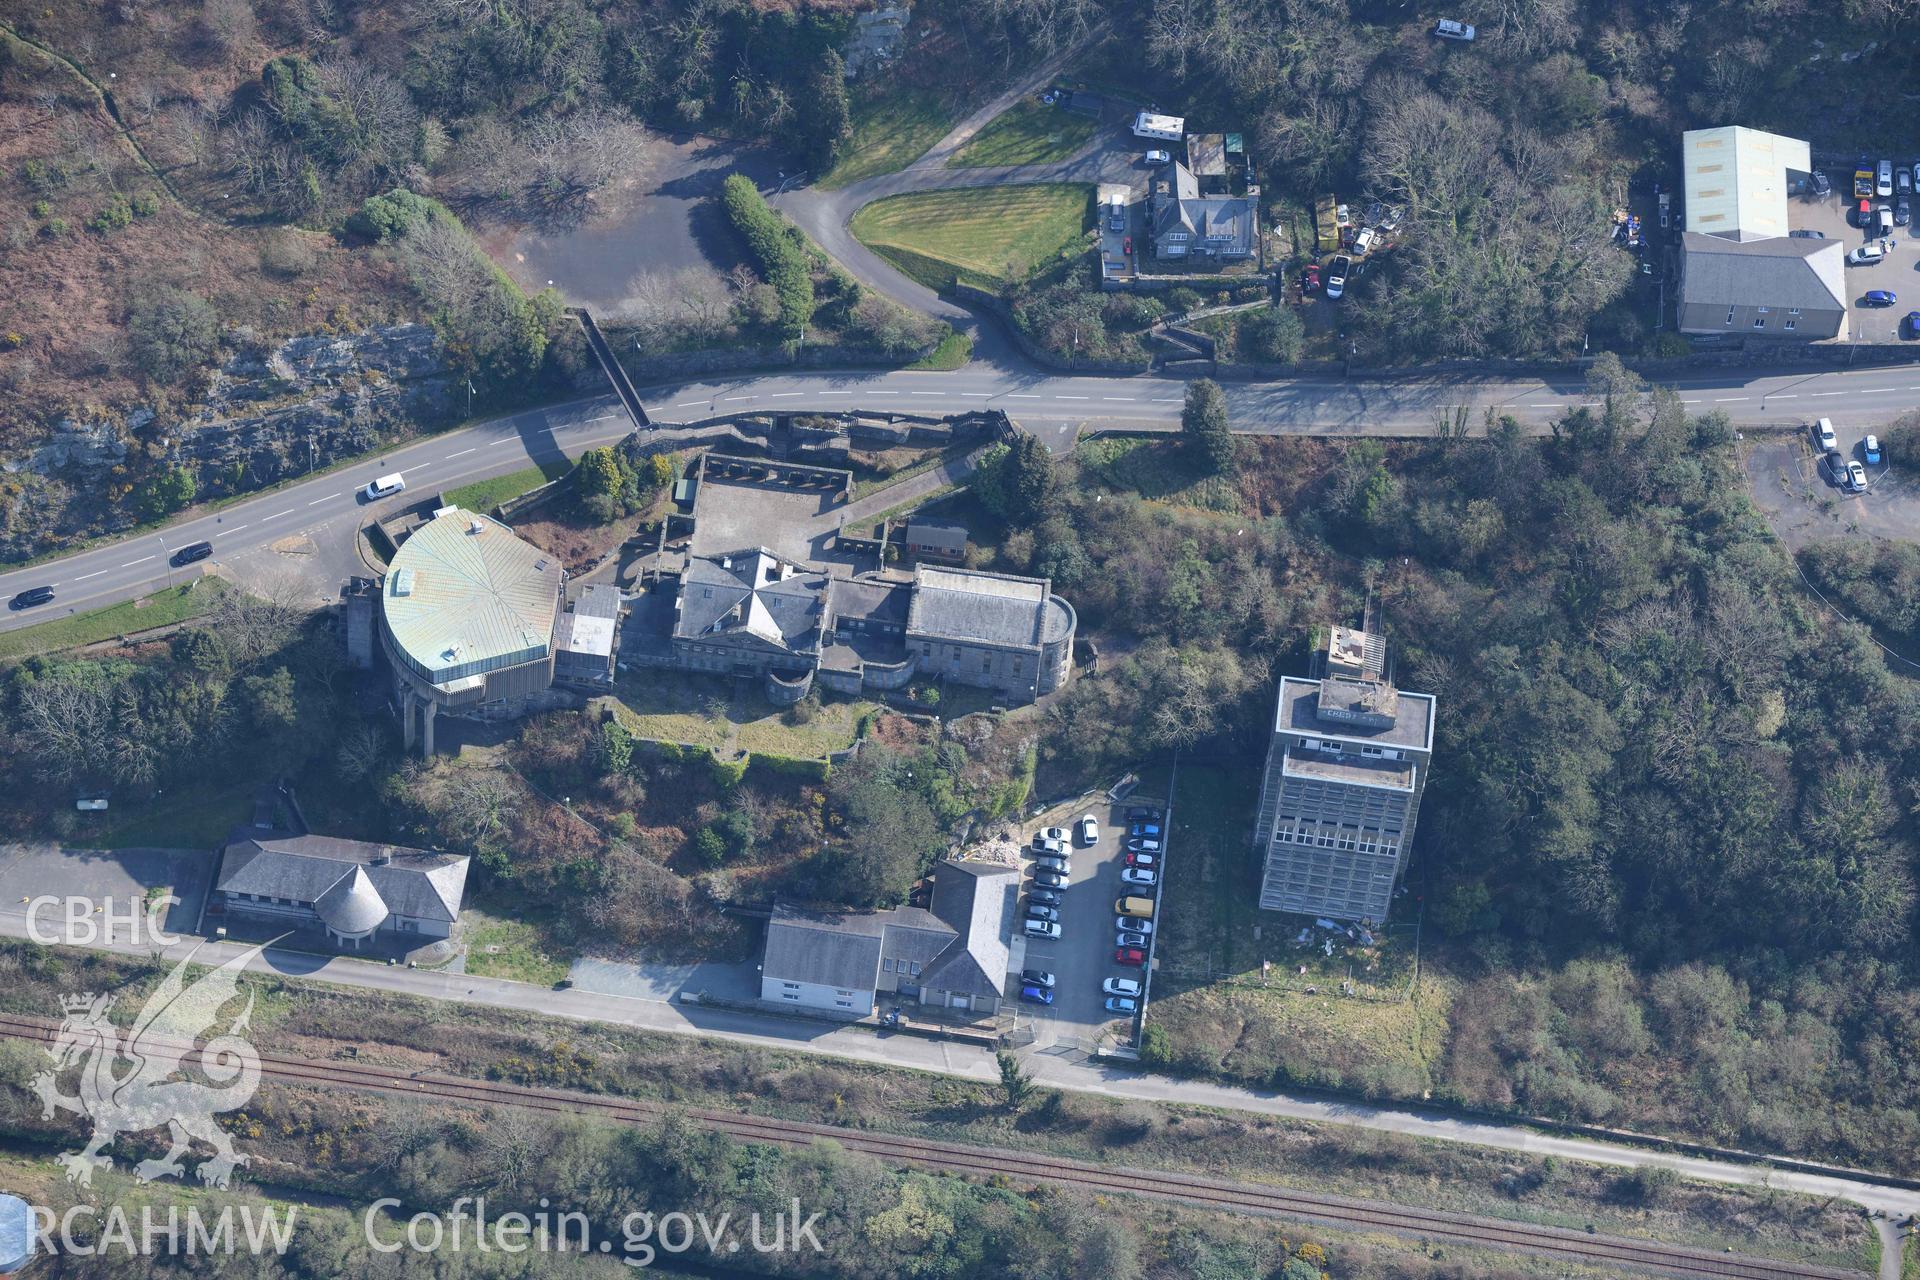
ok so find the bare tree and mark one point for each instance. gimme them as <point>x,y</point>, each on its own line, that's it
<point>372,124</point>
<point>229,25</point>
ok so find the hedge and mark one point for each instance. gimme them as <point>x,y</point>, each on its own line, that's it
<point>776,246</point>
<point>790,766</point>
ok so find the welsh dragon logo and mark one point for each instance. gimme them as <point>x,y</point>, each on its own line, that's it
<point>134,1082</point>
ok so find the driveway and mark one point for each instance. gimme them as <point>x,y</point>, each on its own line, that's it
<point>119,876</point>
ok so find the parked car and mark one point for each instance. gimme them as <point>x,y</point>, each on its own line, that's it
<point>1871,445</point>
<point>1046,897</point>
<point>1144,844</point>
<point>1037,911</point>
<point>193,551</point>
<point>1883,179</point>
<point>1867,255</point>
<point>1363,242</point>
<point>1089,829</point>
<point>1145,827</point>
<point>1449,29</point>
<point>1130,955</point>
<point>1059,866</point>
<point>384,487</point>
<point>1913,324</point>
<point>1133,924</point>
<point>1822,184</point>
<point>1036,977</point>
<point>1042,929</point>
<point>1157,158</point>
<point>1121,986</point>
<point>1856,481</point>
<point>1880,298</point>
<point>1902,181</point>
<point>1036,995</point>
<point>1902,211</point>
<point>1129,938</point>
<point>1139,875</point>
<point>30,597</point>
<point>1883,220</point>
<point>1049,880</point>
<point>1052,835</point>
<point>1824,437</point>
<point>1126,246</point>
<point>1139,814</point>
<point>1337,275</point>
<point>1121,1004</point>
<point>1048,844</point>
<point>1310,281</point>
<point>1805,233</point>
<point>1142,859</point>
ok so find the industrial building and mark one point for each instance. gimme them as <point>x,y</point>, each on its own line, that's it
<point>1345,771</point>
<point>1741,273</point>
<point>468,614</point>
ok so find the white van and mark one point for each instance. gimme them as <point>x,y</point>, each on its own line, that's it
<point>385,487</point>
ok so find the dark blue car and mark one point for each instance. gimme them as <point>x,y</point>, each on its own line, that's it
<point>1036,995</point>
<point>1880,298</point>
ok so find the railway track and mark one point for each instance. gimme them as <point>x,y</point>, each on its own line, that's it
<point>984,1162</point>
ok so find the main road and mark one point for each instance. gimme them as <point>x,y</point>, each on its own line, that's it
<point>328,506</point>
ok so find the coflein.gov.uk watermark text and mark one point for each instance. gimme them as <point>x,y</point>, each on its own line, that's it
<point>642,1237</point>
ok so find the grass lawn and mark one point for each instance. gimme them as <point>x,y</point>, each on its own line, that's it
<point>485,495</point>
<point>890,132</point>
<point>501,948</point>
<point>175,604</point>
<point>705,711</point>
<point>1159,470</point>
<point>1028,132</point>
<point>953,353</point>
<point>197,816</point>
<point>1226,1016</point>
<point>999,235</point>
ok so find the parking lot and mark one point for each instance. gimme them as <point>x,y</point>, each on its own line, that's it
<point>1082,957</point>
<point>1834,217</point>
<point>1797,491</point>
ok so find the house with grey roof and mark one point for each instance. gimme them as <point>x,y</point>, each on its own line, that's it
<point>992,630</point>
<point>1187,225</point>
<point>352,890</point>
<point>750,612</point>
<point>951,955</point>
<point>1742,273</point>
<point>584,641</point>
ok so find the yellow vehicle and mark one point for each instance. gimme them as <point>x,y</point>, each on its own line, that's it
<point>1138,908</point>
<point>1326,224</point>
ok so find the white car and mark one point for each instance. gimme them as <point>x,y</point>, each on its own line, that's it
<point>1132,924</point>
<point>1047,844</point>
<point>1337,275</point>
<point>1364,242</point>
<point>1866,255</point>
<point>1159,158</point>
<point>1823,432</point>
<point>1449,29</point>
<point>1121,987</point>
<point>1883,179</point>
<point>1058,835</point>
<point>385,486</point>
<point>1042,929</point>
<point>1140,875</point>
<point>1089,830</point>
<point>1856,480</point>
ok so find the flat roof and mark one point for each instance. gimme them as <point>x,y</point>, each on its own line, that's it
<point>1207,154</point>
<point>463,590</point>
<point>1299,712</point>
<point>1736,181</point>
<point>1354,770</point>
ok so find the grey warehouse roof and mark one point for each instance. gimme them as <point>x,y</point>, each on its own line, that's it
<point>329,872</point>
<point>985,608</point>
<point>975,899</point>
<point>1779,272</point>
<point>463,594</point>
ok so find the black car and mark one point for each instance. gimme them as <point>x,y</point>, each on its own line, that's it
<point>1045,897</point>
<point>193,551</point>
<point>1049,879</point>
<point>1050,914</point>
<point>31,597</point>
<point>1143,815</point>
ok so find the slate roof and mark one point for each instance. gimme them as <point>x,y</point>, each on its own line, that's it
<point>978,608</point>
<point>960,945</point>
<point>754,593</point>
<point>869,601</point>
<point>325,870</point>
<point>1779,272</point>
<point>942,537</point>
<point>975,900</point>
<point>352,905</point>
<point>464,591</point>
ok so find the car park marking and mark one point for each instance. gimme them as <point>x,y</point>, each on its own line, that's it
<point>464,452</point>
<point>96,573</point>
<point>142,560</point>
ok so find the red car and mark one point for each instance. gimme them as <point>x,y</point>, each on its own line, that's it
<point>1126,245</point>
<point>1310,278</point>
<point>1130,955</point>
